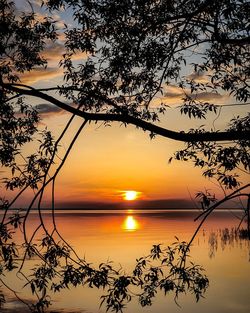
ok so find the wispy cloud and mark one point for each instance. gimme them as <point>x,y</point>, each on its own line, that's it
<point>55,51</point>
<point>199,77</point>
<point>53,54</point>
<point>39,74</point>
<point>174,95</point>
<point>46,108</point>
<point>138,204</point>
<point>49,110</point>
<point>207,96</point>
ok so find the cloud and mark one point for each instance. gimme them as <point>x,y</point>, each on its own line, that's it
<point>40,74</point>
<point>40,15</point>
<point>174,95</point>
<point>55,51</point>
<point>207,96</point>
<point>46,108</point>
<point>139,204</point>
<point>53,54</point>
<point>199,76</point>
<point>164,204</point>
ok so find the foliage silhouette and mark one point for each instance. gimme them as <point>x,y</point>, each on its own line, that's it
<point>131,51</point>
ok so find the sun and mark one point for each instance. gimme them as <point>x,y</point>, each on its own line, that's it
<point>130,195</point>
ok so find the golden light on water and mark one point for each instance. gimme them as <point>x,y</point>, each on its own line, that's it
<point>130,195</point>
<point>130,223</point>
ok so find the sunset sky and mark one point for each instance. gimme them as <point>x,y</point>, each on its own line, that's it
<point>107,161</point>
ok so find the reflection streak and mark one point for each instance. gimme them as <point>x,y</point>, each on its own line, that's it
<point>130,223</point>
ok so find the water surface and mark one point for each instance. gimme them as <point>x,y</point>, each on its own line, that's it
<point>123,236</point>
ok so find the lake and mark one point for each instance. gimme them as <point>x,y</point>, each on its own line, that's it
<point>123,236</point>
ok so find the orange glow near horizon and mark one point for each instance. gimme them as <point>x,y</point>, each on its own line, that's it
<point>130,195</point>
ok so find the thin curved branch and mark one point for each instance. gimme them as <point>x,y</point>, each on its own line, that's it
<point>16,294</point>
<point>226,198</point>
<point>128,119</point>
<point>54,175</point>
<point>207,212</point>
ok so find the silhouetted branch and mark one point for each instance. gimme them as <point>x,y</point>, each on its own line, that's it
<point>209,210</point>
<point>128,119</point>
<point>225,199</point>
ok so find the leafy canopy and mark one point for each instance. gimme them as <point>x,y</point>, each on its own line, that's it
<point>131,51</point>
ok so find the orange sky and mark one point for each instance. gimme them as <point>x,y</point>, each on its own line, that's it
<point>106,161</point>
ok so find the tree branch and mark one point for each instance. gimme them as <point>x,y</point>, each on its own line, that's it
<point>128,119</point>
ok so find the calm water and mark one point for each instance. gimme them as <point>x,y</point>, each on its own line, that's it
<point>123,236</point>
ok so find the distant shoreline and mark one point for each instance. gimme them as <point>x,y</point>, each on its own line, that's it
<point>123,209</point>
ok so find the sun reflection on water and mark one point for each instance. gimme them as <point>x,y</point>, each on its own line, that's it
<point>130,223</point>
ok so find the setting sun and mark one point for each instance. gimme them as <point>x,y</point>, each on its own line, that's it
<point>130,195</point>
